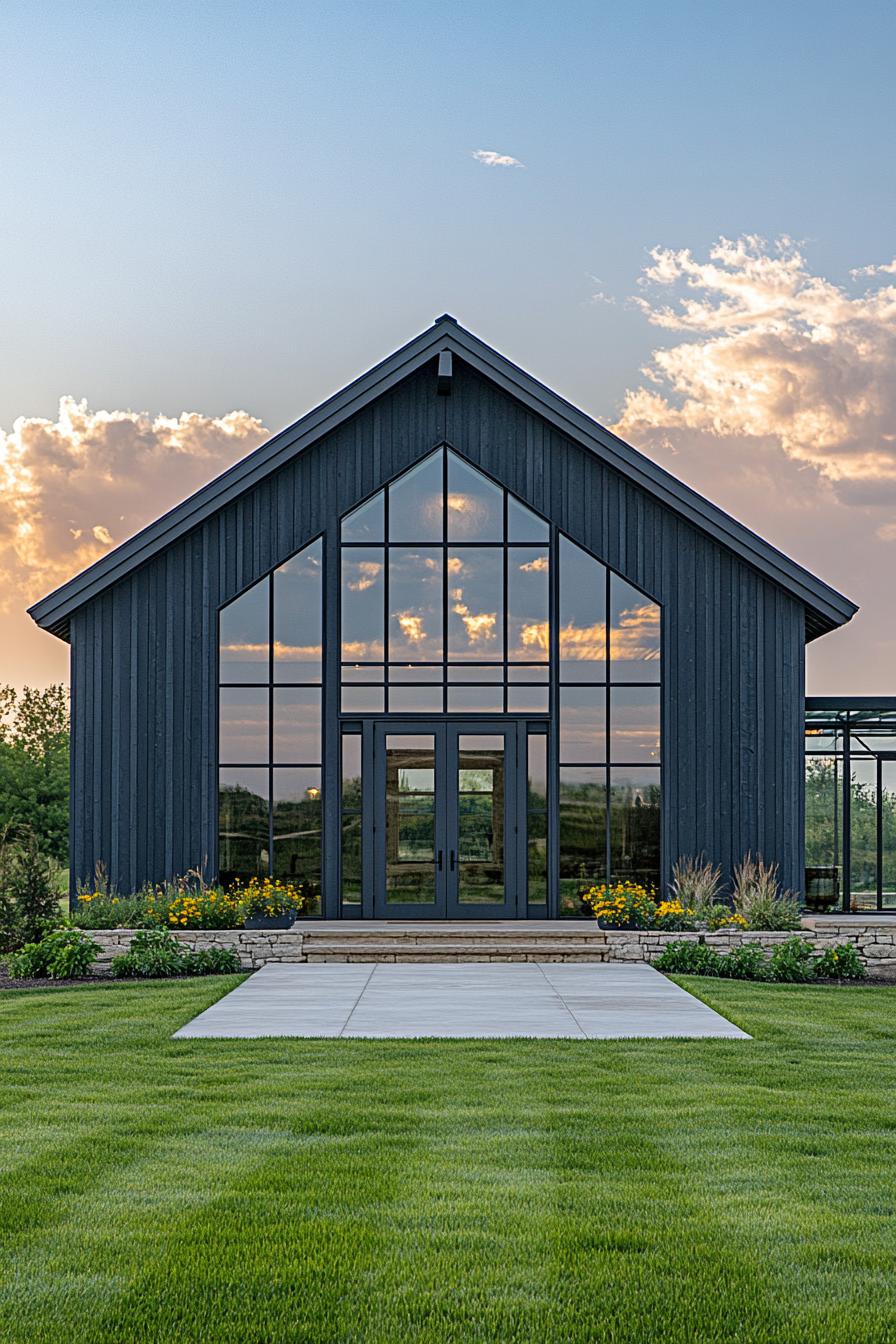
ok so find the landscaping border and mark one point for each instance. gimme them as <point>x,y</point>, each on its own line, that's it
<point>874,940</point>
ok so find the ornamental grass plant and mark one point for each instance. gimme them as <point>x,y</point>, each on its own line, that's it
<point>760,899</point>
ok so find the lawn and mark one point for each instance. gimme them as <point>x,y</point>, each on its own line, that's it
<point>446,1191</point>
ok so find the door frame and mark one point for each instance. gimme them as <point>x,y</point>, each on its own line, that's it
<point>446,733</point>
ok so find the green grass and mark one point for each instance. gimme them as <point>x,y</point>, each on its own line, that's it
<point>159,1190</point>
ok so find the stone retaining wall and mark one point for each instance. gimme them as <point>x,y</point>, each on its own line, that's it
<point>874,940</point>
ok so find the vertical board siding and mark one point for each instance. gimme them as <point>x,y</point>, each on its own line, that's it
<point>145,652</point>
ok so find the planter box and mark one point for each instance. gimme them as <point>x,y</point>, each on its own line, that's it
<point>270,921</point>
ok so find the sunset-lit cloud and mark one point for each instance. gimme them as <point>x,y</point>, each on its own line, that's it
<point>411,627</point>
<point>480,626</point>
<point>771,349</point>
<point>636,634</point>
<point>366,574</point>
<point>75,486</point>
<point>774,393</point>
<point>492,159</point>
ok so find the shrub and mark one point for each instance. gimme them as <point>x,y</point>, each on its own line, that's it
<point>840,963</point>
<point>31,904</point>
<point>153,952</point>
<point>758,896</point>
<point>687,958</point>
<point>625,905</point>
<point>793,962</point>
<point>746,962</point>
<point>214,961</point>
<point>61,955</point>
<point>696,885</point>
<point>156,952</point>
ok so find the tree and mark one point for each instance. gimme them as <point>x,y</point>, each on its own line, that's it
<point>34,755</point>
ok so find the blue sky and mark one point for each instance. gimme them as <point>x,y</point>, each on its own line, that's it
<point>223,204</point>
<point>210,207</point>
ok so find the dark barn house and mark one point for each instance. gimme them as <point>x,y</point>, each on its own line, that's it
<point>447,647</point>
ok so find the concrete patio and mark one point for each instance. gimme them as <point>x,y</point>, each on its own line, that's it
<point>533,999</point>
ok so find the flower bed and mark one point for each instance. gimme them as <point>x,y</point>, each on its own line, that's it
<point>185,904</point>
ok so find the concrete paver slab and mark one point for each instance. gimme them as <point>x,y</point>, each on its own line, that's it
<point>390,1000</point>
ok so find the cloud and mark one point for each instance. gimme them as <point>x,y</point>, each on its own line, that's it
<point>774,393</point>
<point>492,159</point>
<point>73,487</point>
<point>770,349</point>
<point>368,571</point>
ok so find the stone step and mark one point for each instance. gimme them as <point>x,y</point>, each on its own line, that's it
<point>352,950</point>
<point>418,935</point>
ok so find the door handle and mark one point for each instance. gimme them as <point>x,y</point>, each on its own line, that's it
<point>439,861</point>
<point>451,859</point>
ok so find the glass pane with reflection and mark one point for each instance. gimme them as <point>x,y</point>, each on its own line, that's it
<point>351,770</point>
<point>243,838</point>
<point>537,797</point>
<point>583,724</point>
<point>363,577</point>
<point>537,858</point>
<point>476,699</point>
<point>475,672</point>
<point>635,826</point>
<point>243,725</point>
<point>297,725</point>
<point>523,524</point>
<point>297,819</point>
<point>410,819</point>
<point>528,598</point>
<point>527,700</point>
<point>634,634</point>
<point>480,820</point>
<point>415,699</point>
<point>583,615</point>
<point>475,504</point>
<point>635,723</point>
<point>415,672</point>
<point>368,521</point>
<point>363,699</point>
<point>475,604</point>
<point>416,503</point>
<point>358,672</point>
<point>351,858</point>
<point>583,832</point>
<point>415,604</point>
<point>298,616</point>
<point>244,636</point>
<point>863,833</point>
<point>528,672</point>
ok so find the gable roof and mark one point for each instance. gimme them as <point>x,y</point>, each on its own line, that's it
<point>825,607</point>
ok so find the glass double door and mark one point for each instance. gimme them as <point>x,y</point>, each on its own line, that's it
<point>445,833</point>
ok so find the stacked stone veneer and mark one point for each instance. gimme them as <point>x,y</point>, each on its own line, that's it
<point>874,940</point>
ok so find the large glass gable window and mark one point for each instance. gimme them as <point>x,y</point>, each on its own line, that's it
<point>455,599</point>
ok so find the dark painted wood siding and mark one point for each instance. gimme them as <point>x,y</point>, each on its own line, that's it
<point>144,654</point>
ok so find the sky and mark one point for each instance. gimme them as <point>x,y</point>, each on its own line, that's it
<point>681,217</point>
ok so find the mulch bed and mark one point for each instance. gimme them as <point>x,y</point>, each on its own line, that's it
<point>44,982</point>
